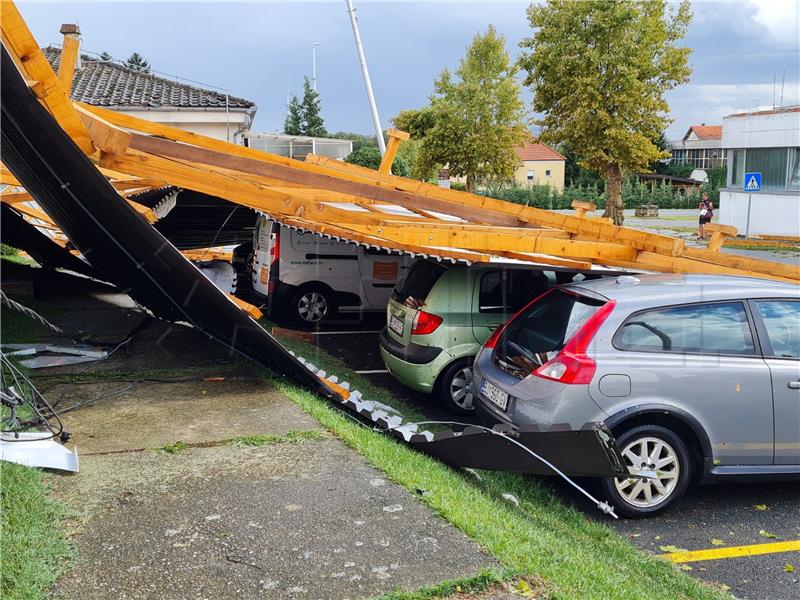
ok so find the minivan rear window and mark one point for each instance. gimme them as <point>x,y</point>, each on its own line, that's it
<point>543,329</point>
<point>418,281</point>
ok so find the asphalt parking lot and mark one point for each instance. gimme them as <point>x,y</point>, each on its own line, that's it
<point>733,519</point>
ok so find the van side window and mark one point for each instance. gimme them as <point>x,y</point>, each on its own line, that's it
<point>782,321</point>
<point>509,290</point>
<point>718,328</point>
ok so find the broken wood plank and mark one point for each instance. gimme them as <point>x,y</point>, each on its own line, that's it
<point>396,137</point>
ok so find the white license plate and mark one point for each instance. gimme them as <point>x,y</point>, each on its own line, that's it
<point>396,325</point>
<point>494,394</point>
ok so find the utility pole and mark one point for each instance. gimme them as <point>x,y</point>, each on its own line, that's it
<point>376,120</point>
<point>314,47</point>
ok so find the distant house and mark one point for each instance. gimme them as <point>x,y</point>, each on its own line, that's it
<point>144,95</point>
<point>700,147</point>
<point>540,165</point>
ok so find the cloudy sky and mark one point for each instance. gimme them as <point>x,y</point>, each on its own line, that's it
<point>261,50</point>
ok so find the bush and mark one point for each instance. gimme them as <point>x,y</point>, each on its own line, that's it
<point>370,157</point>
<point>6,250</point>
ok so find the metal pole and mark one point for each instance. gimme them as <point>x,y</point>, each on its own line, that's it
<point>314,65</point>
<point>376,120</point>
<point>747,227</point>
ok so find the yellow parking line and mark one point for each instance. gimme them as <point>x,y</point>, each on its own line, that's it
<point>732,552</point>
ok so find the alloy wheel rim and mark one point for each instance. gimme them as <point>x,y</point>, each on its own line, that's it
<point>461,388</point>
<point>654,456</point>
<point>312,307</point>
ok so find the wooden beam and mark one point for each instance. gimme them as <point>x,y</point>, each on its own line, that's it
<point>69,55</point>
<point>735,264</point>
<point>23,46</point>
<point>356,236</point>
<point>547,259</point>
<point>208,181</point>
<point>7,178</point>
<point>718,235</point>
<point>105,136</point>
<point>492,242</point>
<point>15,197</point>
<point>581,208</point>
<point>208,254</point>
<point>594,227</point>
<point>396,137</point>
<point>332,182</point>
<point>251,310</point>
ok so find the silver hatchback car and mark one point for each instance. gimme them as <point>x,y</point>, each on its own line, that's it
<point>697,376</point>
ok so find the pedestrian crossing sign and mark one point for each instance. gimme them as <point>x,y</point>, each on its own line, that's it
<point>752,182</point>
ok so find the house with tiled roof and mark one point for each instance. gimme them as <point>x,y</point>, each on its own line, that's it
<point>700,147</point>
<point>116,86</point>
<point>539,165</point>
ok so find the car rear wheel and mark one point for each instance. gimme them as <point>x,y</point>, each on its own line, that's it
<point>454,387</point>
<point>660,453</point>
<point>310,305</point>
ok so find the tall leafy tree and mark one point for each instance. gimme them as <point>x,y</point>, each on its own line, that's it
<point>476,116</point>
<point>293,123</point>
<point>313,124</point>
<point>138,62</point>
<point>105,56</point>
<point>599,70</point>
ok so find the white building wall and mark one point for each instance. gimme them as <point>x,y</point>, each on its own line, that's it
<point>217,124</point>
<point>772,130</point>
<point>770,214</point>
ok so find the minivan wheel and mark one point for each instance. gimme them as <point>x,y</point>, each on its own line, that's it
<point>656,450</point>
<point>454,387</point>
<point>311,305</point>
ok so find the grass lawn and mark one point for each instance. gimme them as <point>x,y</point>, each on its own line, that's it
<point>34,548</point>
<point>576,556</point>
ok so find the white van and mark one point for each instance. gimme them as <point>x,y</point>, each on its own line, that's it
<point>308,278</point>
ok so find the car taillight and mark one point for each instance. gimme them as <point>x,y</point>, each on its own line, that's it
<point>425,323</point>
<point>275,249</point>
<point>492,341</point>
<point>572,365</point>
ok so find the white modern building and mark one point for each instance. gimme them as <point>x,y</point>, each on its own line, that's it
<point>765,142</point>
<point>297,146</point>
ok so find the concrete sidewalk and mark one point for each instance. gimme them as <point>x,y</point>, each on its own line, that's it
<point>298,516</point>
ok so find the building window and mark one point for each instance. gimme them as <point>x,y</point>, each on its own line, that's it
<point>736,168</point>
<point>794,168</point>
<point>547,173</point>
<point>530,175</point>
<point>771,163</point>
<point>779,167</point>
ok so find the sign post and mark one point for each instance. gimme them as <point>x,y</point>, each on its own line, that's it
<point>751,183</point>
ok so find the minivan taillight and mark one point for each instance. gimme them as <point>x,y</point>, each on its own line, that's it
<point>572,365</point>
<point>425,323</point>
<point>275,248</point>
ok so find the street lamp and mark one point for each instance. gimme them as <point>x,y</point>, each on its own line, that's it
<point>314,47</point>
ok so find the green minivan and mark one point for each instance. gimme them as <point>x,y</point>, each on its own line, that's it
<point>440,314</point>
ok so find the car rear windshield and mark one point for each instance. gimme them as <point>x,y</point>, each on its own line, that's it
<point>418,281</point>
<point>543,329</point>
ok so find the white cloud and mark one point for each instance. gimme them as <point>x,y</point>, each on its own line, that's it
<point>778,20</point>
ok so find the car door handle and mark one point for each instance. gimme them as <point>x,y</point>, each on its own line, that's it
<point>794,385</point>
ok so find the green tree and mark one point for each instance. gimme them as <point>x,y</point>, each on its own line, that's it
<point>313,124</point>
<point>137,62</point>
<point>105,56</point>
<point>370,157</point>
<point>476,117</point>
<point>359,139</point>
<point>599,70</point>
<point>293,123</point>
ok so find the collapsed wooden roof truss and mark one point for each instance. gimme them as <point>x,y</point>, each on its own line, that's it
<point>345,201</point>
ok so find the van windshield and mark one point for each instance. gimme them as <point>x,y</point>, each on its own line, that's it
<point>542,330</point>
<point>418,282</point>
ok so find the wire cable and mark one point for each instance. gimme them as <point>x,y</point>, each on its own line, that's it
<point>603,506</point>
